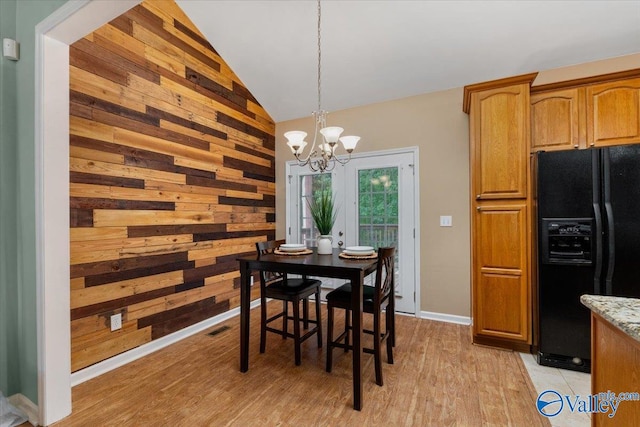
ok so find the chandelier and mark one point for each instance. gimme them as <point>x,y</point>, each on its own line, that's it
<point>322,158</point>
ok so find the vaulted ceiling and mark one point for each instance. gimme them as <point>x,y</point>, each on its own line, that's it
<point>377,50</point>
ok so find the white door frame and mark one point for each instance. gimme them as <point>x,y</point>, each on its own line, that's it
<point>416,213</point>
<point>54,34</point>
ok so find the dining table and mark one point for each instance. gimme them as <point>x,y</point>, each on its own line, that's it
<point>312,264</point>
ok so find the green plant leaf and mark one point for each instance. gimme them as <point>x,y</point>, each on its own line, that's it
<point>323,212</point>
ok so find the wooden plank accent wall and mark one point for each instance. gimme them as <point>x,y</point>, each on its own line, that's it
<point>172,176</point>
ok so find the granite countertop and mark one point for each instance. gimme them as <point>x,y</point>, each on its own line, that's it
<point>624,313</point>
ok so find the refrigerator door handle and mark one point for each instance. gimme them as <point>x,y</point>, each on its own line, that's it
<point>606,189</point>
<point>597,273</point>
<point>611,262</point>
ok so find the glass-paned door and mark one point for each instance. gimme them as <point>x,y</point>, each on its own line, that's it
<point>304,185</point>
<point>376,201</point>
<point>382,213</point>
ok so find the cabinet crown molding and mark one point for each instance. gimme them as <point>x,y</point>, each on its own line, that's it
<point>494,84</point>
<point>583,81</point>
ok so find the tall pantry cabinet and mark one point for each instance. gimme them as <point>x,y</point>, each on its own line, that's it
<point>501,211</point>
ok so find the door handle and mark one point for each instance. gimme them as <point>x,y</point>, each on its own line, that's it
<point>340,243</point>
<point>340,233</point>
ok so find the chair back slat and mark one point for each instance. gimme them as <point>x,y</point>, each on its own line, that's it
<point>385,272</point>
<point>265,248</point>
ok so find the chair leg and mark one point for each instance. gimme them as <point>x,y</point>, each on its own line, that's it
<point>389,326</point>
<point>319,318</point>
<point>347,325</point>
<point>391,308</point>
<point>305,313</point>
<point>376,347</point>
<point>329,337</point>
<point>285,319</point>
<point>393,328</point>
<point>263,323</point>
<point>296,330</point>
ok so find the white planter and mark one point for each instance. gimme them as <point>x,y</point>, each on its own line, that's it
<point>325,244</point>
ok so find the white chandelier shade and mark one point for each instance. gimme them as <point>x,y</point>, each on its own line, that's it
<point>296,141</point>
<point>331,134</point>
<point>349,142</point>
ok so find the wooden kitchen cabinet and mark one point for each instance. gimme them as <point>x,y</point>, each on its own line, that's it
<point>499,133</point>
<point>615,361</point>
<point>558,120</point>
<point>501,302</point>
<point>499,126</point>
<point>613,112</point>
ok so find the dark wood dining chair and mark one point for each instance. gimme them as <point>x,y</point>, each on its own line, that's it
<point>278,286</point>
<point>375,299</point>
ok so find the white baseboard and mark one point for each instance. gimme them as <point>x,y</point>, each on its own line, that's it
<point>155,345</point>
<point>443,317</point>
<point>24,404</point>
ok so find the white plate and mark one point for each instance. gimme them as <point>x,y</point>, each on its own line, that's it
<point>358,253</point>
<point>292,247</point>
<point>359,249</point>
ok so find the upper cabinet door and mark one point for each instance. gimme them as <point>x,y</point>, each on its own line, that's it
<point>613,113</point>
<point>499,126</point>
<point>557,120</point>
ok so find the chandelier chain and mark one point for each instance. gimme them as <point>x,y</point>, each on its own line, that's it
<point>319,58</point>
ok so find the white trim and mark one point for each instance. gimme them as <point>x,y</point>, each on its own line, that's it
<point>58,18</point>
<point>443,317</point>
<point>416,224</point>
<point>77,18</point>
<point>155,345</point>
<point>52,229</point>
<point>24,404</point>
<point>51,120</point>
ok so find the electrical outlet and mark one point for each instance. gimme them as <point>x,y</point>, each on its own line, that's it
<point>116,322</point>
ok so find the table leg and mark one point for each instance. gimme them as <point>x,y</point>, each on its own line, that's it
<point>245,300</point>
<point>356,322</point>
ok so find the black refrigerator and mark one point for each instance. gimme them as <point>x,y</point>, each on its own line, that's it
<point>588,212</point>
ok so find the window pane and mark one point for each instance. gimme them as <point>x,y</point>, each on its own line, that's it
<point>378,207</point>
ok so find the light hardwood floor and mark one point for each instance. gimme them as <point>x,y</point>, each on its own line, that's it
<point>439,379</point>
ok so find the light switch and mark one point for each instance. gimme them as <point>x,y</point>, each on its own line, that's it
<point>446,221</point>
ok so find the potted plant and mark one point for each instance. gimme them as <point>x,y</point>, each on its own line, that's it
<point>323,212</point>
